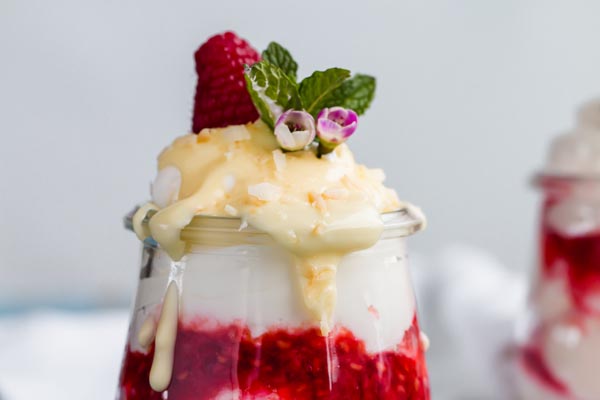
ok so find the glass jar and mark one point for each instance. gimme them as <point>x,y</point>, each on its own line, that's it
<point>560,354</point>
<point>239,329</point>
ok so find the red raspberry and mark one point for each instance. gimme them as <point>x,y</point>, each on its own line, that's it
<point>221,96</point>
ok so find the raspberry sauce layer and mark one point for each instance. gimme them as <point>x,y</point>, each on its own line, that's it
<point>577,260</point>
<point>282,364</point>
<point>535,365</point>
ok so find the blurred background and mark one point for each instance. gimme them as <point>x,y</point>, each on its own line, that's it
<point>469,95</point>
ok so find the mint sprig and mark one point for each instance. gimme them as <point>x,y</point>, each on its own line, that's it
<point>278,56</point>
<point>271,90</point>
<point>355,93</point>
<point>315,89</point>
<point>274,89</point>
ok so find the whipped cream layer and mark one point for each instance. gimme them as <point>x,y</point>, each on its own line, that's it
<point>257,285</point>
<point>572,351</point>
<point>569,343</point>
<point>319,209</point>
<point>577,152</point>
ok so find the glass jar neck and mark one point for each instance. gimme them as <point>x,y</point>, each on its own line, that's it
<point>559,186</point>
<point>228,231</point>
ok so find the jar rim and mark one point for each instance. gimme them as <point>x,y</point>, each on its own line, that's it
<point>541,179</point>
<point>402,222</point>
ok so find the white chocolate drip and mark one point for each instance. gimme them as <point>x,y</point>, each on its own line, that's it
<point>147,332</point>
<point>139,227</point>
<point>164,345</point>
<point>317,281</point>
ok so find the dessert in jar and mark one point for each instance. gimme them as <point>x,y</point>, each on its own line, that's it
<point>560,357</point>
<point>274,266</point>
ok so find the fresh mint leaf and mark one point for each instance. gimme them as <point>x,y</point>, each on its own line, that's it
<point>315,89</point>
<point>271,90</point>
<point>355,93</point>
<point>280,57</point>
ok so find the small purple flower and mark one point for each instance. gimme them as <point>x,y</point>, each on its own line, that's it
<point>335,125</point>
<point>295,130</point>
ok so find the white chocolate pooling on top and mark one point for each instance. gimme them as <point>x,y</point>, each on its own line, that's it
<point>317,208</point>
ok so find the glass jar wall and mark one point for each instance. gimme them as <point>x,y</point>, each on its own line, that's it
<point>229,322</point>
<point>560,354</point>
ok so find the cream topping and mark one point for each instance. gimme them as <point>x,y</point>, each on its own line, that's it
<point>577,152</point>
<point>165,188</point>
<point>317,208</point>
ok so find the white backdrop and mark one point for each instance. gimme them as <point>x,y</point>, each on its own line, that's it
<point>469,94</point>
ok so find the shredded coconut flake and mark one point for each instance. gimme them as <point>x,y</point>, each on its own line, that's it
<point>165,188</point>
<point>243,224</point>
<point>228,183</point>
<point>316,201</point>
<point>292,234</point>
<point>279,159</point>
<point>350,183</point>
<point>318,229</point>
<point>236,133</point>
<point>231,210</point>
<point>336,194</point>
<point>265,191</point>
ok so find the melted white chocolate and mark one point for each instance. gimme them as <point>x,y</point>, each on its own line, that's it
<point>139,227</point>
<point>147,332</point>
<point>164,344</point>
<point>317,281</point>
<point>317,208</point>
